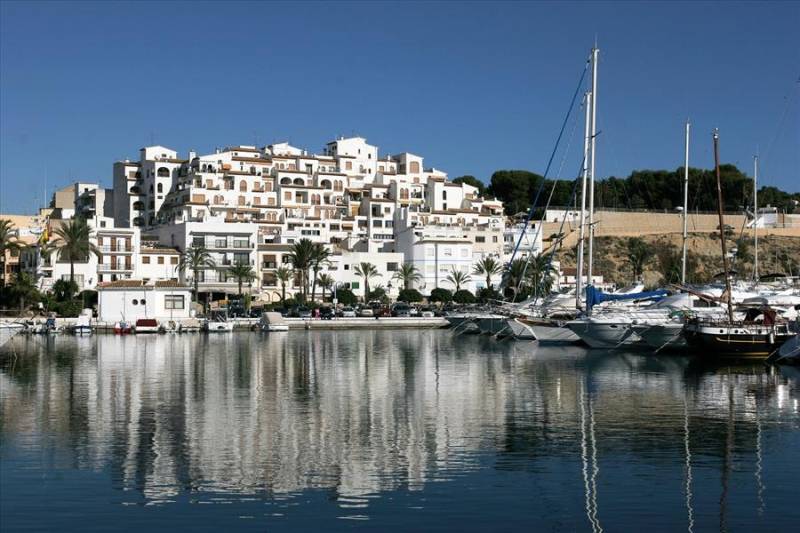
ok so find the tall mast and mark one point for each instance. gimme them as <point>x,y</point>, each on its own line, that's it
<point>755,216</point>
<point>685,201</point>
<point>582,218</point>
<point>592,138</point>
<point>722,226</point>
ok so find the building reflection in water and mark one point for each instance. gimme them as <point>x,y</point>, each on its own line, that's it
<point>368,412</point>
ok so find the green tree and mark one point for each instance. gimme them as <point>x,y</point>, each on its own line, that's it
<point>326,283</point>
<point>242,273</point>
<point>24,290</point>
<point>9,242</point>
<point>378,293</point>
<point>367,271</point>
<point>73,241</point>
<point>409,295</point>
<point>195,259</point>
<point>639,253</point>
<point>464,297</point>
<point>64,290</point>
<point>515,279</point>
<point>408,274</point>
<point>302,257</point>
<point>320,256</point>
<point>440,295</point>
<point>345,296</point>
<point>284,275</point>
<point>539,275</point>
<point>458,278</point>
<point>487,266</point>
<point>472,180</point>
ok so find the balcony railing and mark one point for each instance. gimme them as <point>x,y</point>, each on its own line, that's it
<point>116,249</point>
<point>269,264</point>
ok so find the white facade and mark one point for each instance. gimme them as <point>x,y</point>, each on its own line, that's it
<point>131,300</point>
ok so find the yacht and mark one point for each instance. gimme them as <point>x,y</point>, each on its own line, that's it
<point>8,330</point>
<point>218,323</point>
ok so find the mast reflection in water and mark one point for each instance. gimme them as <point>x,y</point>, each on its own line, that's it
<point>389,430</point>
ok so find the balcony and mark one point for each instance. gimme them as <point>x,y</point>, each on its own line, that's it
<point>106,267</point>
<point>116,249</point>
<point>269,264</point>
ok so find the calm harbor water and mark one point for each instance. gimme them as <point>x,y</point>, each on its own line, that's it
<point>388,431</point>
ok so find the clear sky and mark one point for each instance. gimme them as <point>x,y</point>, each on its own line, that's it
<point>472,87</point>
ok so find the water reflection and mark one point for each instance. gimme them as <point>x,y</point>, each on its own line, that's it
<point>368,413</point>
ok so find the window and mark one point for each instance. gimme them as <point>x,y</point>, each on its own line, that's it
<point>391,267</point>
<point>160,260</point>
<point>347,267</point>
<point>198,241</point>
<point>220,243</point>
<point>173,260</point>
<point>354,285</point>
<point>241,243</point>
<point>494,238</point>
<point>287,195</point>
<point>173,301</point>
<point>135,302</point>
<point>145,259</point>
<point>480,238</point>
<point>160,187</point>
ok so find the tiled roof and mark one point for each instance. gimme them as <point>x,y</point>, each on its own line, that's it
<point>170,283</point>
<point>121,283</point>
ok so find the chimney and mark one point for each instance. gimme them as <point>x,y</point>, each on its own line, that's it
<point>192,155</point>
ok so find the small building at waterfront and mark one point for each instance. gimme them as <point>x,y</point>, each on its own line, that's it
<point>131,299</point>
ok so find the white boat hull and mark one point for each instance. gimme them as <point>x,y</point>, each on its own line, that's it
<point>663,336</point>
<point>554,333</point>
<point>7,331</point>
<point>219,327</point>
<point>605,335</point>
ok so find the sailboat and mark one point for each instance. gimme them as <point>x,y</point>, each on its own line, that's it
<point>759,334</point>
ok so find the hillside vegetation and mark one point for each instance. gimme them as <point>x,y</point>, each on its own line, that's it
<point>642,189</point>
<point>659,257</point>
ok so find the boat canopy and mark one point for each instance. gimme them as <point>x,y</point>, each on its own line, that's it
<point>595,296</point>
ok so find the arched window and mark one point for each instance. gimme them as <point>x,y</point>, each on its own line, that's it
<point>242,200</point>
<point>243,186</point>
<point>299,181</point>
<point>160,187</point>
<point>163,172</point>
<point>286,181</point>
<point>326,184</point>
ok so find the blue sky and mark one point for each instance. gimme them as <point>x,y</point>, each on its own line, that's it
<point>472,87</point>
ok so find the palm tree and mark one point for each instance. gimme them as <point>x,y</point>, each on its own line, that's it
<point>639,253</point>
<point>284,275</point>
<point>515,277</point>
<point>195,258</point>
<point>488,266</point>
<point>302,256</point>
<point>8,243</point>
<point>366,271</point>
<point>538,275</point>
<point>241,272</point>
<point>24,288</point>
<point>73,241</point>
<point>319,258</point>
<point>407,274</point>
<point>458,278</point>
<point>326,282</point>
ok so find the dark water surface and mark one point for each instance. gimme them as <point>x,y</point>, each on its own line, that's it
<point>388,431</point>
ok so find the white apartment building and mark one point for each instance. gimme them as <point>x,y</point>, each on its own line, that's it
<point>251,204</point>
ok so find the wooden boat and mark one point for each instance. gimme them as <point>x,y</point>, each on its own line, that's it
<point>760,334</point>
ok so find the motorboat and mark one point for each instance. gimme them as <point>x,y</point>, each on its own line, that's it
<point>218,323</point>
<point>273,322</point>
<point>146,325</point>
<point>542,329</point>
<point>190,325</point>
<point>83,326</point>
<point>8,330</point>
<point>122,328</point>
<point>789,352</point>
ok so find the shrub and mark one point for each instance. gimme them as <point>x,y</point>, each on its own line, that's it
<point>464,297</point>
<point>346,296</point>
<point>409,295</point>
<point>440,295</point>
<point>487,294</point>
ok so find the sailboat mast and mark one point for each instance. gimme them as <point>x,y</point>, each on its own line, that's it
<point>722,226</point>
<point>582,218</point>
<point>592,140</point>
<point>755,216</point>
<point>685,201</point>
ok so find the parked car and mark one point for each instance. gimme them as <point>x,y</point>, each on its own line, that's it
<point>300,312</point>
<point>348,312</point>
<point>427,312</point>
<point>326,313</point>
<point>401,310</point>
<point>366,312</point>
<point>413,311</point>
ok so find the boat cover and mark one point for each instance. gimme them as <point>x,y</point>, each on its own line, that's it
<point>595,296</point>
